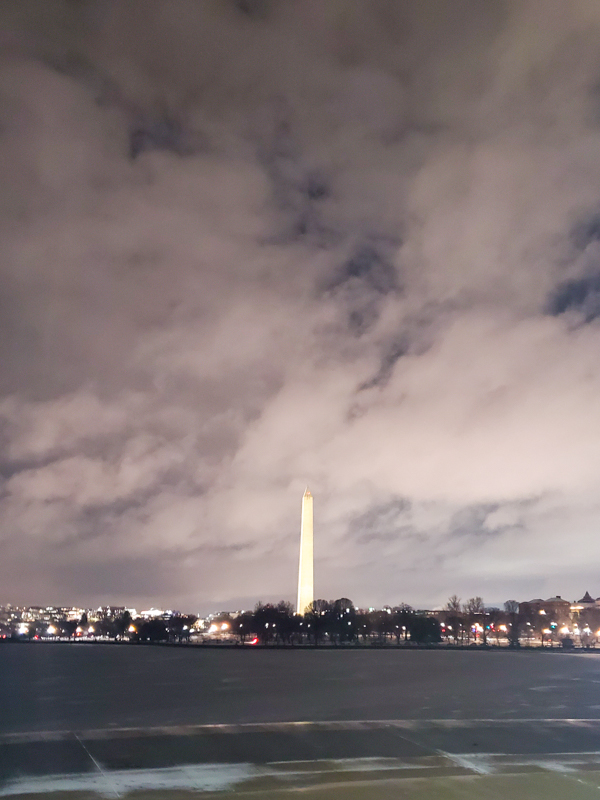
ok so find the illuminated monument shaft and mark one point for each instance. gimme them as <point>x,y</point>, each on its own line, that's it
<point>305,572</point>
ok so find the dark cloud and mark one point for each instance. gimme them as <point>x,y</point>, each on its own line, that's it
<point>381,523</point>
<point>369,266</point>
<point>587,232</point>
<point>362,282</point>
<point>392,351</point>
<point>162,133</point>
<point>296,188</point>
<point>255,9</point>
<point>581,295</point>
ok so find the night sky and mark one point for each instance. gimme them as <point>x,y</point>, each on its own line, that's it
<point>252,246</point>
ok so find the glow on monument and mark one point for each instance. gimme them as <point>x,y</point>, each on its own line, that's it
<point>305,571</point>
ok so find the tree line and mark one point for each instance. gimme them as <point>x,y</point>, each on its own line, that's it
<point>174,629</point>
<point>334,621</point>
<point>472,621</point>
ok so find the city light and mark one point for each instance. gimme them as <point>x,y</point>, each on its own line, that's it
<point>47,623</point>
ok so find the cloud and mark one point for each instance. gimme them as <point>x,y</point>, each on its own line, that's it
<point>251,245</point>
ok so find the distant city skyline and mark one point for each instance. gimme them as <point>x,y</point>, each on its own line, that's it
<point>554,621</point>
<point>587,600</point>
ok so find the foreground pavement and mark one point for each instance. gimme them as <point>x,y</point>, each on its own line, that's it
<point>363,759</point>
<point>68,687</point>
<point>82,722</point>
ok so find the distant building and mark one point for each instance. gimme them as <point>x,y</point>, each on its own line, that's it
<point>152,613</point>
<point>555,609</point>
<point>587,601</point>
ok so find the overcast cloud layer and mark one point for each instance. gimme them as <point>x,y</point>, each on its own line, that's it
<point>249,246</point>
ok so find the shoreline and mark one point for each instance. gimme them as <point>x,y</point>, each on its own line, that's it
<point>350,647</point>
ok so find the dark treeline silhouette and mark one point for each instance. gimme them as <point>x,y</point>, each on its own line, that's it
<point>109,627</point>
<point>519,623</point>
<point>335,622</point>
<point>465,623</point>
<point>175,629</point>
<point>122,627</point>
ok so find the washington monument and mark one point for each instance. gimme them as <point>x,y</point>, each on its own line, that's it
<point>305,572</point>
